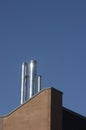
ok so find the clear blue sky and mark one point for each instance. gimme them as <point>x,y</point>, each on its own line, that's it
<point>53,33</point>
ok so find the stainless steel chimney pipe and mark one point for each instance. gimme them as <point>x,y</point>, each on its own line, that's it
<point>29,83</point>
<point>39,83</point>
<point>24,77</point>
<point>32,77</point>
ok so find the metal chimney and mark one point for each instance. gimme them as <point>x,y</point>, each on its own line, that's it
<point>29,80</point>
<point>24,82</point>
<point>39,83</point>
<point>32,77</point>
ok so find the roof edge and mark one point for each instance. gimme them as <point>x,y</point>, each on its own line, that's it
<point>74,113</point>
<point>30,99</point>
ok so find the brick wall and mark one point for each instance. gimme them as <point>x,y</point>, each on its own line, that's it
<point>42,112</point>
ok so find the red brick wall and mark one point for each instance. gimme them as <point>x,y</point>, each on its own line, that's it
<point>42,112</point>
<point>56,110</point>
<point>1,123</point>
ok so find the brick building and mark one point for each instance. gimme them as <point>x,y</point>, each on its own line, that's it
<point>44,111</point>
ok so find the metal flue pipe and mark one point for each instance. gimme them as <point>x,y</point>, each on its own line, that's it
<point>39,83</point>
<point>24,77</point>
<point>32,77</point>
<point>29,83</point>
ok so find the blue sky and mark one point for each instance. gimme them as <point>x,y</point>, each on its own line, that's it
<point>53,33</point>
